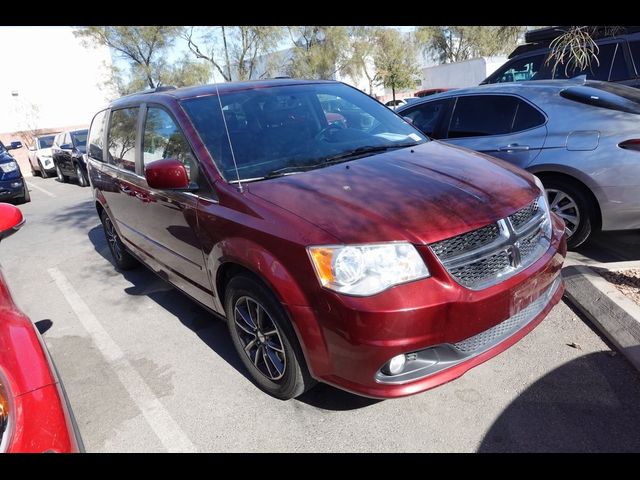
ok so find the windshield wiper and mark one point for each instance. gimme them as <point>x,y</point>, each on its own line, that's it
<point>364,150</point>
<point>279,172</point>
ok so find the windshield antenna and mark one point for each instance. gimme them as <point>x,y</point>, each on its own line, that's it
<point>226,129</point>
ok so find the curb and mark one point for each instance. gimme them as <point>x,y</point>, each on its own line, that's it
<point>615,315</point>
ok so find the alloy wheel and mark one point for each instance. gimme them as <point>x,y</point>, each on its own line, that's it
<point>112,238</point>
<point>260,338</point>
<point>566,208</point>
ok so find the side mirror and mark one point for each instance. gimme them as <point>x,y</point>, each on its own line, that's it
<point>408,120</point>
<point>10,219</point>
<point>14,145</point>
<point>66,146</point>
<point>167,174</point>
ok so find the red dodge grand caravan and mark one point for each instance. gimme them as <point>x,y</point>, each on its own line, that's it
<point>340,243</point>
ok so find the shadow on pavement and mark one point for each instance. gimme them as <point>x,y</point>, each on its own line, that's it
<point>211,329</point>
<point>617,246</point>
<point>586,405</point>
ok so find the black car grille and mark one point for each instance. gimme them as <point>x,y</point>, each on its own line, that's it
<point>485,256</point>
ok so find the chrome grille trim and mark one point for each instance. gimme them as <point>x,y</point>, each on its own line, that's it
<point>488,255</point>
<point>486,339</point>
<point>434,359</point>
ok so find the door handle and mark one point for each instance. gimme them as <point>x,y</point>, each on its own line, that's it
<point>513,147</point>
<point>124,189</point>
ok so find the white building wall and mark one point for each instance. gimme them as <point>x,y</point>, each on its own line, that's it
<point>460,74</point>
<point>47,67</point>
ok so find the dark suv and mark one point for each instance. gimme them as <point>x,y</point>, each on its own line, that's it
<point>68,152</point>
<point>345,248</point>
<point>618,59</point>
<point>12,184</point>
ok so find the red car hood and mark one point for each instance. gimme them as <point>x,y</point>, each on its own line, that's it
<point>421,194</point>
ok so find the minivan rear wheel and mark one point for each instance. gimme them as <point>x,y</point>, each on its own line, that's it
<point>571,204</point>
<point>122,258</point>
<point>264,339</point>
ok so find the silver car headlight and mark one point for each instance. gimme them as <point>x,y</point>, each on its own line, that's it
<point>9,166</point>
<point>366,269</point>
<point>543,204</point>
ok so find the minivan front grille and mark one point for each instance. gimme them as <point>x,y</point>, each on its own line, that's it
<point>490,254</point>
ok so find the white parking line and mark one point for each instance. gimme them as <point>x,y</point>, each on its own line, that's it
<point>162,423</point>
<point>46,192</point>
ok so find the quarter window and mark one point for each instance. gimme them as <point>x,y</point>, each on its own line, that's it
<point>96,142</point>
<point>164,139</point>
<point>122,138</point>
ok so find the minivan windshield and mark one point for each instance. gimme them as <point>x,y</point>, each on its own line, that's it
<point>289,129</point>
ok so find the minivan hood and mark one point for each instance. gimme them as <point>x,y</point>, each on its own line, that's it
<point>420,194</point>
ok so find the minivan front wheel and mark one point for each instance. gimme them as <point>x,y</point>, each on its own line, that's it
<point>574,207</point>
<point>123,259</point>
<point>264,339</point>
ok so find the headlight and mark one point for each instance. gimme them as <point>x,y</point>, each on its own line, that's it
<point>366,269</point>
<point>543,204</point>
<point>9,166</point>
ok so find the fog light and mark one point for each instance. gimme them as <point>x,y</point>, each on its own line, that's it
<point>16,184</point>
<point>396,364</point>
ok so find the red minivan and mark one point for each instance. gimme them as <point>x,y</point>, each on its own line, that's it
<point>354,252</point>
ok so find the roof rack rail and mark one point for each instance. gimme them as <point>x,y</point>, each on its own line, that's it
<point>281,77</point>
<point>162,88</point>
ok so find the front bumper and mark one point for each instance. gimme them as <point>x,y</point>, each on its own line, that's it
<point>47,163</point>
<point>449,328</point>
<point>11,189</point>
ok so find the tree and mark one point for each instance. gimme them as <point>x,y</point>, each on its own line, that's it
<point>318,52</point>
<point>144,48</point>
<point>395,61</point>
<point>364,44</point>
<point>576,49</point>
<point>233,51</point>
<point>459,42</point>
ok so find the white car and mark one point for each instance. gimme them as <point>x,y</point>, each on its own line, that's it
<point>398,102</point>
<point>40,156</point>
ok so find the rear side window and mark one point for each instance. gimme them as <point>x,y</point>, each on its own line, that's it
<point>96,137</point>
<point>428,116</point>
<point>483,115</point>
<point>598,70</point>
<point>164,139</point>
<point>122,138</point>
<point>635,54</point>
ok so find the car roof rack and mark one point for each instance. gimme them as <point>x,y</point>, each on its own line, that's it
<point>162,88</point>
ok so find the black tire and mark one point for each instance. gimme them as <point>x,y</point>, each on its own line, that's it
<point>294,378</point>
<point>122,258</point>
<point>26,198</point>
<point>43,172</point>
<point>82,179</point>
<point>575,207</point>
<point>62,178</point>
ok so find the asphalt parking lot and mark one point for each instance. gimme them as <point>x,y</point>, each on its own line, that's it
<point>146,369</point>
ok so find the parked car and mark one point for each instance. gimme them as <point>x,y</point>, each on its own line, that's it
<point>35,415</point>
<point>398,102</point>
<point>68,151</point>
<point>580,137</point>
<point>364,256</point>
<point>618,59</point>
<point>40,156</point>
<point>12,184</point>
<point>430,91</point>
